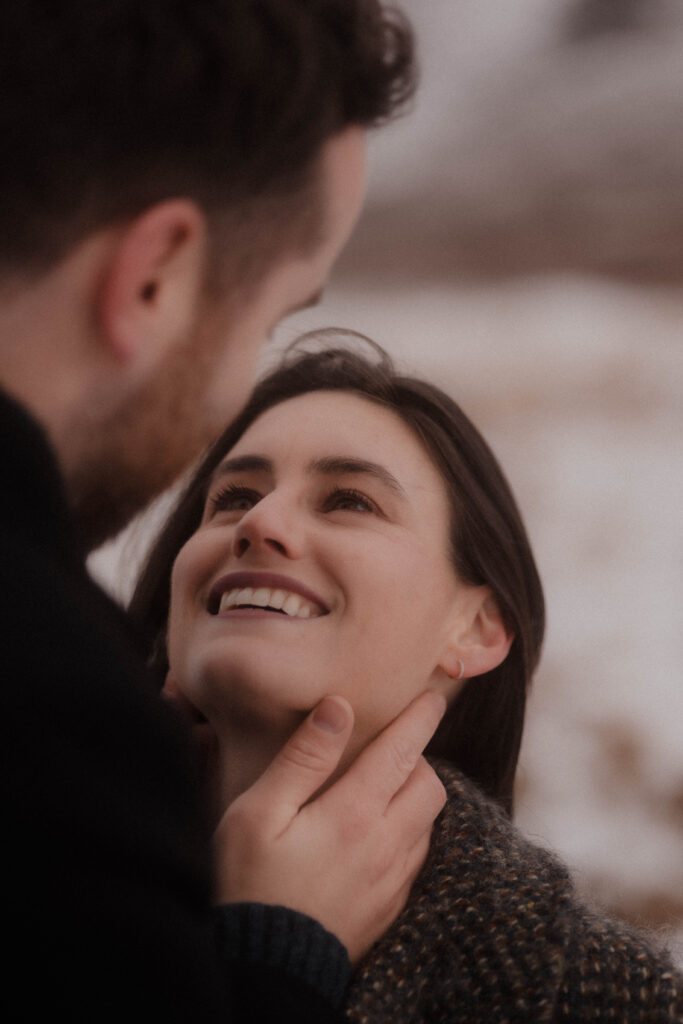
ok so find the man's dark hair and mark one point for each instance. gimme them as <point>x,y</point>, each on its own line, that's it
<point>482,729</point>
<point>110,107</point>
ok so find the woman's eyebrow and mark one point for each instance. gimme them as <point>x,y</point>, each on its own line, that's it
<point>328,465</point>
<point>243,464</point>
<point>345,464</point>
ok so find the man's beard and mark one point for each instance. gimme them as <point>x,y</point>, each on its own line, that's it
<point>143,446</point>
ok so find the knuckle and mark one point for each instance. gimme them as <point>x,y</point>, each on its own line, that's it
<point>242,817</point>
<point>431,799</point>
<point>404,756</point>
<point>431,789</point>
<point>357,825</point>
<point>386,860</point>
<point>435,792</point>
<point>305,754</point>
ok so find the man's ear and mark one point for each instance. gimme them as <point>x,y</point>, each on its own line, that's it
<point>152,283</point>
<point>479,641</point>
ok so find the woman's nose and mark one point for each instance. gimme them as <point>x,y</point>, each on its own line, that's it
<point>270,525</point>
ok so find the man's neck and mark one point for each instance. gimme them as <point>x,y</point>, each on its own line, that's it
<point>48,327</point>
<point>41,345</point>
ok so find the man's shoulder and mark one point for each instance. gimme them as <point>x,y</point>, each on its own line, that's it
<point>76,694</point>
<point>46,598</point>
<point>72,665</point>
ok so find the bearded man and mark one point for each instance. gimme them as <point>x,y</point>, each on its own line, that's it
<point>178,177</point>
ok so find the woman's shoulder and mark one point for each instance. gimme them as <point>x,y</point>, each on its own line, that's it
<point>484,928</point>
<point>493,930</point>
<point>475,832</point>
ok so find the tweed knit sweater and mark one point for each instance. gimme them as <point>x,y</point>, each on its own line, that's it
<point>494,933</point>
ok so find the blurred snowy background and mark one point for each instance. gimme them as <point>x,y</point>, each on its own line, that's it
<point>523,246</point>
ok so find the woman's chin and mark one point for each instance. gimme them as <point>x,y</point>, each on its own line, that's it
<point>253,700</point>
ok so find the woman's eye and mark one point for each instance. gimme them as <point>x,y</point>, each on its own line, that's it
<point>349,500</point>
<point>233,498</point>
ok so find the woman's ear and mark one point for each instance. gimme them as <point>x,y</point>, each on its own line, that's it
<point>479,641</point>
<point>172,692</point>
<point>152,283</point>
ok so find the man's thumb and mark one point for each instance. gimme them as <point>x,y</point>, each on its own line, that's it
<point>307,760</point>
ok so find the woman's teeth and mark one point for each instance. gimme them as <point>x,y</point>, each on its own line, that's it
<point>284,601</point>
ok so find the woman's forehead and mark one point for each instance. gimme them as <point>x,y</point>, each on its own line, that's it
<point>331,416</point>
<point>326,431</point>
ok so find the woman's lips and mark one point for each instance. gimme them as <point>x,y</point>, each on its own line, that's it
<point>261,594</point>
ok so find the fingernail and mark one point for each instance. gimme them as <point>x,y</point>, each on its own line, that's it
<point>330,715</point>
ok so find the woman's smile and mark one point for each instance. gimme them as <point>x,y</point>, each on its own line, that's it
<point>266,601</point>
<point>265,593</point>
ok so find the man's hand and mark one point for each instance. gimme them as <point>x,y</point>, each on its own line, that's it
<point>349,857</point>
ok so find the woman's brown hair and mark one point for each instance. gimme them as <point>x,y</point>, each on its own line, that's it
<point>482,729</point>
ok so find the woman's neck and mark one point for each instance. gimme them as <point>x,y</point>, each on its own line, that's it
<point>245,749</point>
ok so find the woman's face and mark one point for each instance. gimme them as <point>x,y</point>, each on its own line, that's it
<point>321,566</point>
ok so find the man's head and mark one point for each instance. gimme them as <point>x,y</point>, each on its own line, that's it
<point>177,172</point>
<point>144,441</point>
<point>109,108</point>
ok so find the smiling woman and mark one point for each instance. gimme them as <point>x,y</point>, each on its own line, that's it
<point>367,602</point>
<point>351,533</point>
<point>375,493</point>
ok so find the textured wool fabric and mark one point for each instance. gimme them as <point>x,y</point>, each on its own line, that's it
<point>494,933</point>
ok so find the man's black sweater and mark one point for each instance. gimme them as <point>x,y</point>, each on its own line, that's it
<point>108,878</point>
